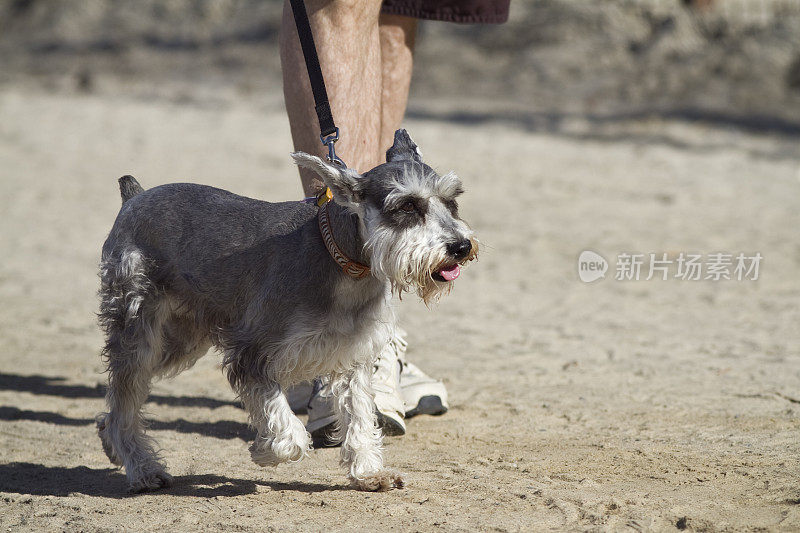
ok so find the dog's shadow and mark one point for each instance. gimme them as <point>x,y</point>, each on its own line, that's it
<point>40,480</point>
<point>222,429</point>
<point>55,386</point>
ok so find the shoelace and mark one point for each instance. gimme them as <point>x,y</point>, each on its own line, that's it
<point>382,370</point>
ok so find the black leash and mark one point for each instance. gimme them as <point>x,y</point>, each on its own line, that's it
<point>329,133</point>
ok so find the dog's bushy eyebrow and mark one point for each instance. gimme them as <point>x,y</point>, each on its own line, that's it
<point>394,200</point>
<point>449,186</point>
<point>415,181</point>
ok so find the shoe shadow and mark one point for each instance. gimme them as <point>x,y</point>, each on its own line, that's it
<point>40,480</point>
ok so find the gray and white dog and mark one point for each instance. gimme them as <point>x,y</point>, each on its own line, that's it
<point>187,267</point>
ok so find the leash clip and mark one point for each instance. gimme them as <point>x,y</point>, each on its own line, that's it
<point>330,141</point>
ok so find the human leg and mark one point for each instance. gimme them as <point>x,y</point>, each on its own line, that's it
<point>397,39</point>
<point>348,45</point>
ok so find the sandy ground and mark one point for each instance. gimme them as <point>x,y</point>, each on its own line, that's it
<point>606,406</point>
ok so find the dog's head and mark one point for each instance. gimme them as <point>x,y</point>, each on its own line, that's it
<point>409,218</point>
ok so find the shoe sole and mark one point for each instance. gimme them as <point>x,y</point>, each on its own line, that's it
<point>321,438</point>
<point>390,426</point>
<point>321,430</point>
<point>428,405</point>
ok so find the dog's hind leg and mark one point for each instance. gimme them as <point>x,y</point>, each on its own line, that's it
<point>132,314</point>
<point>184,341</point>
<point>358,430</point>
<point>281,436</point>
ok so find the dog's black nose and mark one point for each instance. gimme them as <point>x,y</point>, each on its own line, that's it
<point>459,249</point>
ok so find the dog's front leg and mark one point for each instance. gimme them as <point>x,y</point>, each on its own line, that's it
<point>362,439</point>
<point>281,436</point>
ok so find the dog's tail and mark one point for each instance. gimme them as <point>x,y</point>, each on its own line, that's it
<point>129,187</point>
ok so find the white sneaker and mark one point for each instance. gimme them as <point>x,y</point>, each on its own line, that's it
<point>386,384</point>
<point>422,395</point>
<point>299,395</point>
<point>389,405</point>
<point>321,416</point>
<point>401,389</point>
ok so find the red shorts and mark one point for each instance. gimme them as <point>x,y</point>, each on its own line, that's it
<point>469,11</point>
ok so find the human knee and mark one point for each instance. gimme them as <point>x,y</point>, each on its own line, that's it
<point>343,13</point>
<point>398,33</point>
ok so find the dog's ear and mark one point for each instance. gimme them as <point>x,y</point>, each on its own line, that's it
<point>403,148</point>
<point>347,185</point>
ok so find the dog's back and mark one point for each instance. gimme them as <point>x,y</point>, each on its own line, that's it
<point>202,220</point>
<point>201,251</point>
<point>223,261</point>
<point>191,232</point>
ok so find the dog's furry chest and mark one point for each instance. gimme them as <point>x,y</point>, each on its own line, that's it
<point>351,331</point>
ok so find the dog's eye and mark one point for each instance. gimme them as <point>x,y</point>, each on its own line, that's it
<point>408,207</point>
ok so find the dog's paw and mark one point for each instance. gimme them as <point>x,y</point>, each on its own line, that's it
<point>262,455</point>
<point>151,481</point>
<point>264,452</point>
<point>380,481</point>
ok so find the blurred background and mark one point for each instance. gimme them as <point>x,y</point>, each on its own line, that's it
<point>736,60</point>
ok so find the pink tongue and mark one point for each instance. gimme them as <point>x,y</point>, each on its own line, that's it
<point>449,274</point>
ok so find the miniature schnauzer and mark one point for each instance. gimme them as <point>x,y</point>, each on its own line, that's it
<point>287,291</point>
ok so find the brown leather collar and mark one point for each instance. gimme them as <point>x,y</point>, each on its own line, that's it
<point>351,268</point>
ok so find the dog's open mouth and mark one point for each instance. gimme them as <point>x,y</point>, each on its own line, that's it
<point>448,273</point>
